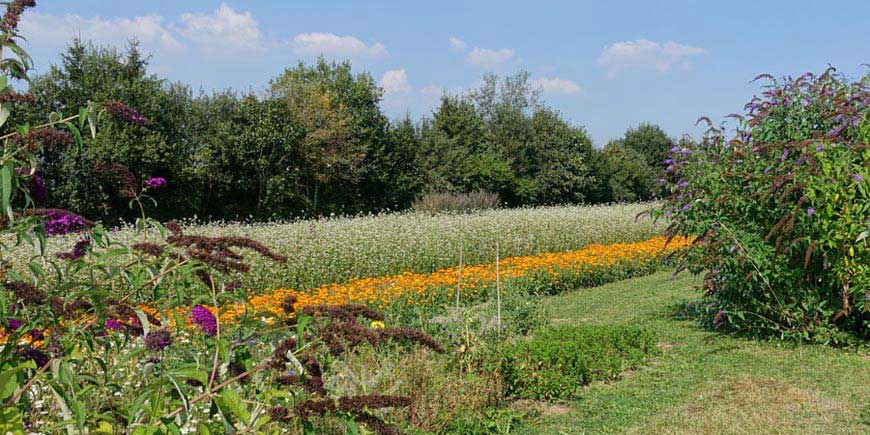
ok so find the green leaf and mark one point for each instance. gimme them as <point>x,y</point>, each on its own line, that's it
<point>231,401</point>
<point>6,189</point>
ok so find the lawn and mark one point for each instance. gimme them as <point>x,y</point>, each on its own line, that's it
<point>705,381</point>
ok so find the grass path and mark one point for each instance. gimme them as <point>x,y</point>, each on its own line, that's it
<point>707,382</point>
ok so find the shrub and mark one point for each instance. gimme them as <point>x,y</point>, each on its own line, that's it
<point>456,202</point>
<point>781,211</point>
<point>559,360</point>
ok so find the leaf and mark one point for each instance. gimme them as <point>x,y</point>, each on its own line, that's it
<point>92,119</point>
<point>4,113</point>
<point>143,320</point>
<point>8,382</point>
<point>232,402</point>
<point>6,189</point>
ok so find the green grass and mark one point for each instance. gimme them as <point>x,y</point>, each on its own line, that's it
<point>706,382</point>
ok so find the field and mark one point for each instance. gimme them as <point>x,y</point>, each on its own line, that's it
<point>336,250</point>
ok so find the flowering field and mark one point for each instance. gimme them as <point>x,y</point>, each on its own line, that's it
<point>338,250</point>
<point>440,286</point>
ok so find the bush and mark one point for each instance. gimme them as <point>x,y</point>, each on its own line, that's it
<point>559,360</point>
<point>456,202</point>
<point>781,211</point>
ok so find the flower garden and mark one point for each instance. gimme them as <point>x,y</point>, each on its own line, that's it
<point>526,320</point>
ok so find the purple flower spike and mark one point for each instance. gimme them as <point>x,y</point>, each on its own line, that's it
<point>14,324</point>
<point>857,178</point>
<point>158,340</point>
<point>114,325</point>
<point>205,319</point>
<point>60,223</point>
<point>811,211</point>
<point>156,183</point>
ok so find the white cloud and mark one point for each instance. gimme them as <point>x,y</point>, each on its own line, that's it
<point>395,82</point>
<point>556,86</point>
<point>646,54</point>
<point>49,32</point>
<point>223,31</point>
<point>487,58</point>
<point>328,44</point>
<point>457,44</point>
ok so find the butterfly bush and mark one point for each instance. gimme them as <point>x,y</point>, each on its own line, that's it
<point>781,210</point>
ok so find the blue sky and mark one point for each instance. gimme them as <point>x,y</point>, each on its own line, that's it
<point>605,65</point>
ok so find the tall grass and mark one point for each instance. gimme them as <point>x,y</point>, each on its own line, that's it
<point>340,249</point>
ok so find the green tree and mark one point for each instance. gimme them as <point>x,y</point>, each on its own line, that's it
<point>344,131</point>
<point>628,176</point>
<point>649,141</point>
<point>89,73</point>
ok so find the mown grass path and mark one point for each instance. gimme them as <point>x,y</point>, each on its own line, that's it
<point>707,382</point>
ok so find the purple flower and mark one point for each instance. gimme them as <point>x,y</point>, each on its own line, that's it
<point>158,340</point>
<point>857,178</point>
<point>38,356</point>
<point>205,319</point>
<point>819,147</point>
<point>114,325</point>
<point>37,335</point>
<point>811,211</point>
<point>59,223</point>
<point>14,324</point>
<point>686,207</point>
<point>156,183</point>
<point>784,155</point>
<point>683,185</point>
<point>78,250</point>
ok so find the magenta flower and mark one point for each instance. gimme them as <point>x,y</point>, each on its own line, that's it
<point>205,319</point>
<point>156,183</point>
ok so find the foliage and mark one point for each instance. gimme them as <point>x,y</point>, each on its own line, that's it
<point>456,202</point>
<point>650,142</point>
<point>629,177</point>
<point>780,211</point>
<point>315,144</point>
<point>559,360</point>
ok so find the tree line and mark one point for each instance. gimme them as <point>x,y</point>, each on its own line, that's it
<point>316,142</point>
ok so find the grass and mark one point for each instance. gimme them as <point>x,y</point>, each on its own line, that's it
<point>705,381</point>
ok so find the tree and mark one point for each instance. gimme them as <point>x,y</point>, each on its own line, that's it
<point>649,141</point>
<point>343,126</point>
<point>89,73</point>
<point>628,176</point>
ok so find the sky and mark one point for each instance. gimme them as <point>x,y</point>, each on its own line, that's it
<point>605,65</point>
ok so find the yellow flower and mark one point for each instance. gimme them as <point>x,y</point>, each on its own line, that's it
<point>377,324</point>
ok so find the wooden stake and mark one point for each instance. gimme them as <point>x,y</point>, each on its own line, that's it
<point>459,279</point>
<point>497,289</point>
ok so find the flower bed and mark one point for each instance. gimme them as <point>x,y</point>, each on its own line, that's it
<point>419,288</point>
